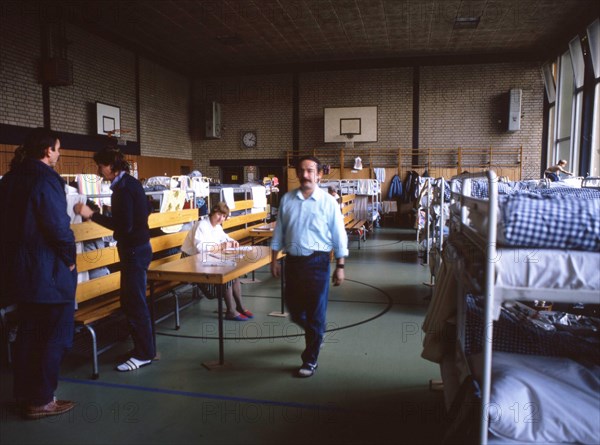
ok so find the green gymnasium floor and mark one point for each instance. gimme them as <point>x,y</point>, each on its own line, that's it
<point>372,386</point>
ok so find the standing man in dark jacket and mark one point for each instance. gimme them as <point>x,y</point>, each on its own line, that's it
<point>129,221</point>
<point>38,248</point>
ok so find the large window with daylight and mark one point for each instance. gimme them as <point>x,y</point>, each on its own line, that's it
<point>565,110</point>
<point>574,117</point>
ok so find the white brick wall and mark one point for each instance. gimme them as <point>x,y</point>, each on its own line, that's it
<point>261,103</point>
<point>467,106</point>
<point>164,108</point>
<point>20,92</point>
<point>102,72</point>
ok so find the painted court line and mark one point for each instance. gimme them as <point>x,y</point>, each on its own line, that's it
<point>201,395</point>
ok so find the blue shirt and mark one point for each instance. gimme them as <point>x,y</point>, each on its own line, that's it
<point>308,225</point>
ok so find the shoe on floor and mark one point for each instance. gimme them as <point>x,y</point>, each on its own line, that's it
<point>247,314</point>
<point>307,370</point>
<point>132,364</point>
<point>239,317</point>
<point>53,408</point>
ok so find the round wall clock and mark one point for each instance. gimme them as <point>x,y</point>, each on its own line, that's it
<point>249,139</point>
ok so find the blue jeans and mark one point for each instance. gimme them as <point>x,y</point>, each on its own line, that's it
<point>45,333</point>
<point>134,264</point>
<point>306,292</point>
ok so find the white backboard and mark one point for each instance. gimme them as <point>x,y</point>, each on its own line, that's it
<point>362,120</point>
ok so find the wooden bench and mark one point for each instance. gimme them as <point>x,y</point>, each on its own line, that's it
<point>354,226</point>
<point>98,298</point>
<point>238,227</point>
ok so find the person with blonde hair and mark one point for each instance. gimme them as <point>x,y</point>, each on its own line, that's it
<point>553,172</point>
<point>207,236</point>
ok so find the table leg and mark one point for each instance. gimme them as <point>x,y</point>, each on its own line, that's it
<point>215,365</point>
<point>282,277</point>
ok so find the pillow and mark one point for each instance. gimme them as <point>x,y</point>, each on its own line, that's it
<point>543,399</point>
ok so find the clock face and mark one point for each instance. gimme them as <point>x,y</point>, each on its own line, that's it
<point>249,139</point>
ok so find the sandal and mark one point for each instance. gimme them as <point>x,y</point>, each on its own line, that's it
<point>239,317</point>
<point>132,364</point>
<point>247,313</point>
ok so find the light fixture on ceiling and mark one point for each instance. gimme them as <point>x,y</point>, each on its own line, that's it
<point>466,22</point>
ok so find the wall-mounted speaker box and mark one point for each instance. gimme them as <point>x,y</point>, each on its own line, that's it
<point>56,72</point>
<point>514,109</point>
<point>213,120</point>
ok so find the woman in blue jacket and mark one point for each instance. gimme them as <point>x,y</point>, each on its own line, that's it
<point>39,273</point>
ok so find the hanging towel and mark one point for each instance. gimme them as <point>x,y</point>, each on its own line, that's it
<point>259,197</point>
<point>380,174</point>
<point>228,197</point>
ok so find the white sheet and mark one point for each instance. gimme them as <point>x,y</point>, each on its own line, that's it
<point>546,274</point>
<point>543,399</point>
<point>548,268</point>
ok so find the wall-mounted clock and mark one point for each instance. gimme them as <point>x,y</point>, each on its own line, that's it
<point>249,139</point>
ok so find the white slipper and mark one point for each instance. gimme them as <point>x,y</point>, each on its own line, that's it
<point>132,364</point>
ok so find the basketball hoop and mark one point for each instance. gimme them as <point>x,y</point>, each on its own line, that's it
<point>117,134</point>
<point>349,139</point>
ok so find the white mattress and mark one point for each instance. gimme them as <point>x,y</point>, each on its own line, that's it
<point>547,274</point>
<point>533,399</point>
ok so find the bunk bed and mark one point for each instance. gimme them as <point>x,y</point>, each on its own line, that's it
<point>531,242</point>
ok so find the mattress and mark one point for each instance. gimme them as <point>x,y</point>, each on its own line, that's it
<point>532,399</point>
<point>569,276</point>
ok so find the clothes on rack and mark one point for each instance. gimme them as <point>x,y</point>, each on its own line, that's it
<point>395,188</point>
<point>259,197</point>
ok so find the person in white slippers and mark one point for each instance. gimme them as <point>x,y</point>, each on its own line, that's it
<point>129,221</point>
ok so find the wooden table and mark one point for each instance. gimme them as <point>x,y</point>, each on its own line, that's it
<point>264,231</point>
<point>219,270</point>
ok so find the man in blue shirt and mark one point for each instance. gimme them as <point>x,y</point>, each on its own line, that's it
<point>309,226</point>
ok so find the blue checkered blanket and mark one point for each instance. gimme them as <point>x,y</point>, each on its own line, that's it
<point>551,220</point>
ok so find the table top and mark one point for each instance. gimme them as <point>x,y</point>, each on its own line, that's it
<point>218,268</point>
<point>266,230</point>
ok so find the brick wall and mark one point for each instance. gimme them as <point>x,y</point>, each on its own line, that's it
<point>164,112</point>
<point>20,93</point>
<point>388,89</point>
<point>467,106</point>
<point>103,72</point>
<point>261,103</point>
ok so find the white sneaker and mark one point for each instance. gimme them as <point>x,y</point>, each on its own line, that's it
<point>307,370</point>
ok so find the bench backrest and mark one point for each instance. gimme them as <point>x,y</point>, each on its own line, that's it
<point>109,256</point>
<point>238,227</point>
<point>348,207</point>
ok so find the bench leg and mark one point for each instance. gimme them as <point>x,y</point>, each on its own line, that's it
<point>95,372</point>
<point>176,296</point>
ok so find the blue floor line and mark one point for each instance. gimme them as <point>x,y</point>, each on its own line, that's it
<point>200,395</point>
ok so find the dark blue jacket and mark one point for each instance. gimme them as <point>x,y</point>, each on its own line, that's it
<point>130,210</point>
<point>37,245</point>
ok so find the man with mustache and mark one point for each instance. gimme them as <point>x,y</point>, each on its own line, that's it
<point>309,226</point>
